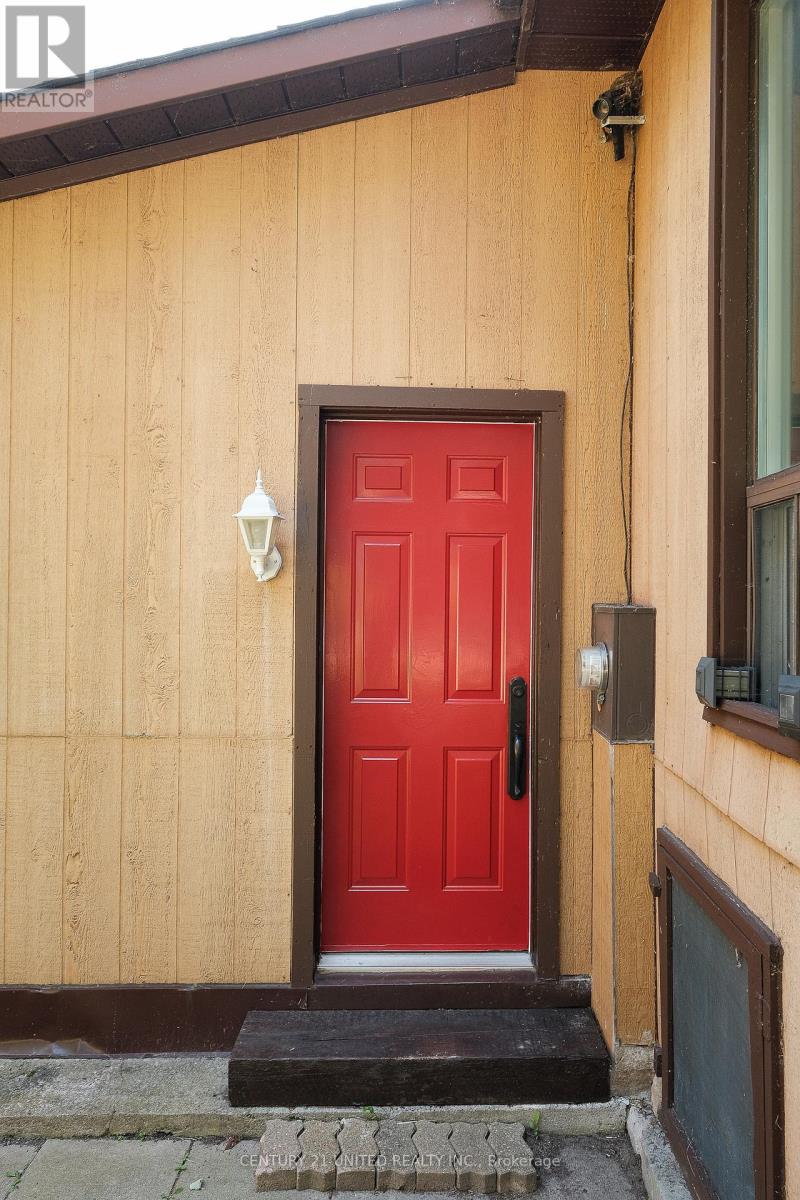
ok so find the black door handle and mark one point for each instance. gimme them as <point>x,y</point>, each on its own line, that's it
<point>517,729</point>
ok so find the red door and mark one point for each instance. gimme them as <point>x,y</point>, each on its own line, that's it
<point>428,530</point>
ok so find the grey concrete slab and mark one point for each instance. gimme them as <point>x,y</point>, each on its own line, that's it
<point>279,1156</point>
<point>223,1174</point>
<point>474,1159</point>
<point>319,1150</point>
<point>355,1166</point>
<point>435,1168</point>
<point>397,1156</point>
<point>187,1095</point>
<point>663,1178</point>
<point>15,1157</point>
<point>180,1094</point>
<point>513,1159</point>
<point>102,1169</point>
<point>112,1169</point>
<point>593,1168</point>
<point>56,1097</point>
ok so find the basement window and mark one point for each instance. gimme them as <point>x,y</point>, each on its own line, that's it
<point>720,1020</point>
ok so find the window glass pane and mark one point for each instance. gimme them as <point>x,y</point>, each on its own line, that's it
<point>775,566</point>
<point>778,236</point>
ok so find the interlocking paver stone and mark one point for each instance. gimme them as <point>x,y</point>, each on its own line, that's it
<point>516,1174</point>
<point>319,1150</point>
<point>474,1164</point>
<point>397,1157</point>
<point>435,1170</point>
<point>280,1151</point>
<point>355,1166</point>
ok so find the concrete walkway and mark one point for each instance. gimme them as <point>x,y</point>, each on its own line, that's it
<point>187,1096</point>
<point>120,1168</point>
<point>80,1129</point>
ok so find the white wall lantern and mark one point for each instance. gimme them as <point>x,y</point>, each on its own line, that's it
<point>257,520</point>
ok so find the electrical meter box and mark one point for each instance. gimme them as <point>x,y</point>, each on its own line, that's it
<point>626,713</point>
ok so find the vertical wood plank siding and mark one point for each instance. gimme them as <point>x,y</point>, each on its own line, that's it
<point>161,322</point>
<point>728,799</point>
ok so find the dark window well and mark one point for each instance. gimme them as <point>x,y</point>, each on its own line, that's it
<point>755,357</point>
<point>720,970</point>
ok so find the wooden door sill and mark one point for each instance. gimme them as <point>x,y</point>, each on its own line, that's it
<point>460,989</point>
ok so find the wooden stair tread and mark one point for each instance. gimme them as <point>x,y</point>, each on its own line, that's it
<point>439,1056</point>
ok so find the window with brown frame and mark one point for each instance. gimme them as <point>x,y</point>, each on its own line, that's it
<point>722,1093</point>
<point>754,596</point>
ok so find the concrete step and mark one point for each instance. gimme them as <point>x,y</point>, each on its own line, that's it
<point>187,1095</point>
<point>437,1057</point>
<point>363,1155</point>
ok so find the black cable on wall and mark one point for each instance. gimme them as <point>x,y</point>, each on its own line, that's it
<point>626,416</point>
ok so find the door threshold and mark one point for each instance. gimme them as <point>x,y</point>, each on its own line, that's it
<point>423,962</point>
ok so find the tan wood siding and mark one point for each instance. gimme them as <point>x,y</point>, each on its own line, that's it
<point>149,860</point>
<point>726,797</point>
<point>153,342</point>
<point>382,250</point>
<point>40,270</point>
<point>267,386</point>
<point>6,326</point>
<point>633,902</point>
<point>96,457</point>
<point>91,871</point>
<point>603,932</point>
<point>34,882</point>
<point>623,934</point>
<point>161,323</point>
<point>210,444</point>
<point>439,173</point>
<point>738,778</point>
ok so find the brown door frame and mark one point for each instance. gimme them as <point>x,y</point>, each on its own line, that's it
<point>316,403</point>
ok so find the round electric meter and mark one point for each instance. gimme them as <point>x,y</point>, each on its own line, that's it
<point>591,668</point>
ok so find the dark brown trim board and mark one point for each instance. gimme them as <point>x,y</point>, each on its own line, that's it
<point>301,77</point>
<point>182,1018</point>
<point>761,950</point>
<point>316,403</point>
<point>728,329</point>
<point>143,1019</point>
<point>266,129</point>
<point>755,722</point>
<point>287,52</point>
<point>491,989</point>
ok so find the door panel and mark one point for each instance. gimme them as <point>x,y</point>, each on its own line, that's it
<point>378,804</point>
<point>427,616</point>
<point>381,588</point>
<point>473,819</point>
<point>475,616</point>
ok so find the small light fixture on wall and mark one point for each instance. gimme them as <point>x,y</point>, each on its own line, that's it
<point>257,518</point>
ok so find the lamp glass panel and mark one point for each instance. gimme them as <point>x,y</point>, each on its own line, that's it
<point>257,530</point>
